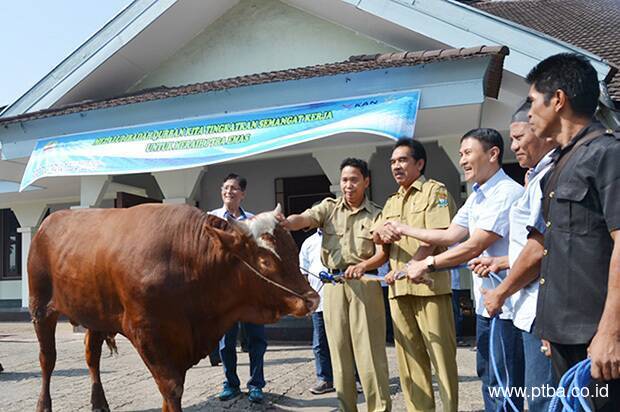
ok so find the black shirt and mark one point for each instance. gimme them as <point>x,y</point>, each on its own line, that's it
<point>584,209</point>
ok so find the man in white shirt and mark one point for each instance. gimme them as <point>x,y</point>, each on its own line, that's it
<point>233,193</point>
<point>526,222</point>
<point>310,259</point>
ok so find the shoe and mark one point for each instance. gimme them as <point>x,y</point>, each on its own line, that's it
<point>214,360</point>
<point>322,387</point>
<point>461,344</point>
<point>256,395</point>
<point>358,387</point>
<point>229,392</point>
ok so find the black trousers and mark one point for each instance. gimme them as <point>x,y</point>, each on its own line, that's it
<point>563,357</point>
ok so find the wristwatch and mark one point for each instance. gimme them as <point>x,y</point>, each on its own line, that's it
<point>430,263</point>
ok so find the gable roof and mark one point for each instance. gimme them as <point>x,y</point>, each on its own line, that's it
<point>588,24</point>
<point>354,64</point>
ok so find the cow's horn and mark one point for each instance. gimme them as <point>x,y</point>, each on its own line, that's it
<point>278,210</point>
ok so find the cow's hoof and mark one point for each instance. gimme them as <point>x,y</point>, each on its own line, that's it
<point>101,409</point>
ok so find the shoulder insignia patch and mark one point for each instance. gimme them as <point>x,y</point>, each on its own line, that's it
<point>442,200</point>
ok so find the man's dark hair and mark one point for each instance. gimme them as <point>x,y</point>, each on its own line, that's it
<point>359,164</point>
<point>240,180</point>
<point>571,73</point>
<point>488,138</point>
<point>415,148</point>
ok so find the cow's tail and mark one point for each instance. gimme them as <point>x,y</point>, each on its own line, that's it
<point>111,343</point>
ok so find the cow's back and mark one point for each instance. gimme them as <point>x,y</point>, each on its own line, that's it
<point>95,264</point>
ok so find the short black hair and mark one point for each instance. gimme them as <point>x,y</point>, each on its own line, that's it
<point>359,164</point>
<point>571,73</point>
<point>416,149</point>
<point>488,138</point>
<point>240,180</point>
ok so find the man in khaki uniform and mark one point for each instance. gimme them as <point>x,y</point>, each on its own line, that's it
<point>353,311</point>
<point>423,320</point>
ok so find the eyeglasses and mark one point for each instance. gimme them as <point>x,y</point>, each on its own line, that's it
<point>231,189</point>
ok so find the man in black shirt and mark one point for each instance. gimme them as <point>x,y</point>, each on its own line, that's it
<point>578,309</point>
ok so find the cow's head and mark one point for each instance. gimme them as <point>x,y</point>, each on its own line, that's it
<point>273,253</point>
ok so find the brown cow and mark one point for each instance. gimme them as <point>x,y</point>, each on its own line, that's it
<point>170,278</point>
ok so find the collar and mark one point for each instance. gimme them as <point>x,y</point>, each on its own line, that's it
<point>489,184</point>
<point>559,152</point>
<point>242,215</point>
<point>542,164</point>
<point>365,204</point>
<point>417,185</point>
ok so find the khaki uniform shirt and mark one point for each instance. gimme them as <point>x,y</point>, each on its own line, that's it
<point>425,204</point>
<point>347,236</point>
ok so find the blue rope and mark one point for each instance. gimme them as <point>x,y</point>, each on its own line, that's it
<point>568,393</point>
<point>329,278</point>
<point>498,376</point>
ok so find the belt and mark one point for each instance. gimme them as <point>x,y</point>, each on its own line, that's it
<point>340,271</point>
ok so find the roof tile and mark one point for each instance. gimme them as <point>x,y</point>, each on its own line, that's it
<point>353,64</point>
<point>588,24</point>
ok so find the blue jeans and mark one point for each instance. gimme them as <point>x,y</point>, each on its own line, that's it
<point>458,313</point>
<point>320,348</point>
<point>513,366</point>
<point>257,347</point>
<point>538,373</point>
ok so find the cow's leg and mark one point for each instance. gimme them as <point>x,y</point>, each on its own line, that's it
<point>45,328</point>
<point>169,376</point>
<point>92,342</point>
<point>170,382</point>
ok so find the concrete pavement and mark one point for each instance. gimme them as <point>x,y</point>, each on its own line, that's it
<point>289,371</point>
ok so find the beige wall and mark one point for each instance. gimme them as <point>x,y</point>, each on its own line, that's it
<point>261,175</point>
<point>259,36</point>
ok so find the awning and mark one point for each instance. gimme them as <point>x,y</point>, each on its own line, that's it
<point>208,140</point>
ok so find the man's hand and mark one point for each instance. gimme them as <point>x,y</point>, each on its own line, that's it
<point>482,266</point>
<point>545,347</point>
<point>355,271</point>
<point>282,220</point>
<point>493,301</point>
<point>390,278</point>
<point>604,351</point>
<point>417,272</point>
<point>389,232</point>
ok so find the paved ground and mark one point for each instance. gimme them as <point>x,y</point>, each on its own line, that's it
<point>289,370</point>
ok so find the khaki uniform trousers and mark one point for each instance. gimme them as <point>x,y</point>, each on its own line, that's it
<point>355,324</point>
<point>424,334</point>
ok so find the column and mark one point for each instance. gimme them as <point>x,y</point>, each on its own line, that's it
<point>29,217</point>
<point>180,186</point>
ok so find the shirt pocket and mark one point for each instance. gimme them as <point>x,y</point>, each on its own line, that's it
<point>419,205</point>
<point>572,212</point>
<point>363,239</point>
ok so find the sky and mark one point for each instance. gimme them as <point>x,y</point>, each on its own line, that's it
<point>36,35</point>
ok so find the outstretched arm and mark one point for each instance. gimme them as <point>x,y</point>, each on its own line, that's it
<point>296,222</point>
<point>523,272</point>
<point>472,247</point>
<point>393,231</point>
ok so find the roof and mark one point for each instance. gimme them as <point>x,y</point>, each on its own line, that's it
<point>591,25</point>
<point>354,64</point>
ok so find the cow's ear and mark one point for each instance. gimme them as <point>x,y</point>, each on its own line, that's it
<point>230,240</point>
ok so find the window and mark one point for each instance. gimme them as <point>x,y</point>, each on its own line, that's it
<point>11,245</point>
